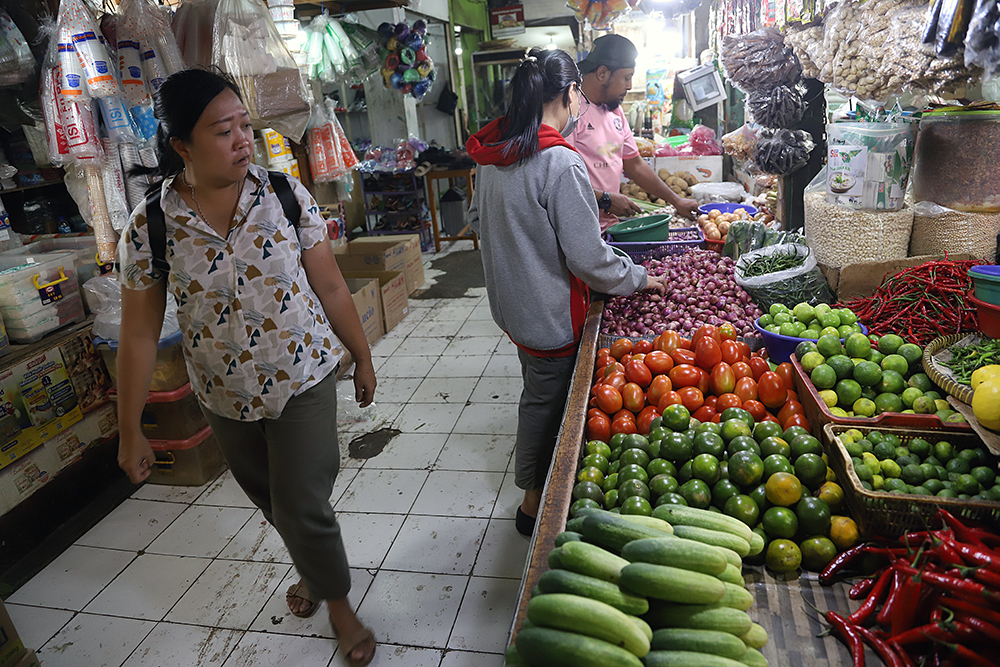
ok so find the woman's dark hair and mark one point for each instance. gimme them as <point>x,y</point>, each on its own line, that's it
<point>178,105</point>
<point>540,78</point>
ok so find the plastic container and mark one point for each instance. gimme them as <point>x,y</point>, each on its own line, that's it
<point>955,160</point>
<point>782,348</point>
<point>282,13</point>
<point>39,293</point>
<point>643,228</point>
<point>818,413</point>
<point>287,28</point>
<point>986,280</point>
<point>170,372</point>
<point>705,209</point>
<point>988,316</point>
<point>83,248</point>
<point>890,514</point>
<point>280,3</point>
<point>192,462</point>
<point>639,252</point>
<point>171,415</point>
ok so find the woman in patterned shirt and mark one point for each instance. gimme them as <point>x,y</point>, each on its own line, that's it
<point>265,315</point>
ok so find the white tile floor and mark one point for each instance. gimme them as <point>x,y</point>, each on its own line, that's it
<point>193,577</point>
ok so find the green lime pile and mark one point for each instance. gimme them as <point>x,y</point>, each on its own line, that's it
<point>884,462</point>
<point>775,481</point>
<point>810,322</point>
<point>865,376</point>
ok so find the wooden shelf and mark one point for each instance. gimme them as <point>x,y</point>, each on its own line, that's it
<point>29,187</point>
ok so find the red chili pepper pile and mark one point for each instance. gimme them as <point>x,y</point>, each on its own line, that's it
<point>937,602</point>
<point>920,303</point>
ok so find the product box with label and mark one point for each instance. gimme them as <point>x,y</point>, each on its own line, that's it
<point>96,426</point>
<point>392,286</point>
<point>37,402</point>
<point>28,660</point>
<point>373,254</point>
<point>413,258</point>
<point>25,476</point>
<point>87,371</point>
<point>11,647</point>
<point>368,302</point>
<point>706,168</point>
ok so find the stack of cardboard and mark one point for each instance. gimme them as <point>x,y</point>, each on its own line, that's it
<point>12,650</point>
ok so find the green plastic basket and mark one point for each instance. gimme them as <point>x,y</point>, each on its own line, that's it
<point>643,228</point>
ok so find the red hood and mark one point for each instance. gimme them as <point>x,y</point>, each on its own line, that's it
<point>484,146</point>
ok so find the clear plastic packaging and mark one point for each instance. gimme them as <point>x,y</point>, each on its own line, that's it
<point>713,193</point>
<point>22,66</point>
<point>760,60</point>
<point>77,22</point>
<point>740,143</point>
<point>83,248</point>
<point>869,164</point>
<point>38,294</point>
<point>781,107</point>
<point>247,46</point>
<point>982,42</point>
<point>192,26</point>
<point>104,297</point>
<point>782,152</point>
<point>802,284</point>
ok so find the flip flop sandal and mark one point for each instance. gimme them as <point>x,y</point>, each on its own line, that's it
<point>299,591</point>
<point>350,643</point>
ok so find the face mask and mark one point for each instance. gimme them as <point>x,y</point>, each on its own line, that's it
<point>570,125</point>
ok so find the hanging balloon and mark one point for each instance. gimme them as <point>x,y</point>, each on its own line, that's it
<point>422,55</point>
<point>396,79</point>
<point>415,41</point>
<point>424,69</point>
<point>412,76</point>
<point>385,30</point>
<point>402,30</point>
<point>408,56</point>
<point>406,65</point>
<point>392,62</point>
<point>392,44</point>
<point>420,26</point>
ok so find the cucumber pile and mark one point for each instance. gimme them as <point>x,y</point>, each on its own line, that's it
<point>633,591</point>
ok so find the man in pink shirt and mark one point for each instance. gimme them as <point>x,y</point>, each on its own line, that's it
<point>603,136</point>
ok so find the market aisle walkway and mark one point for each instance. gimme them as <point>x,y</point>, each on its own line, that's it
<point>192,577</point>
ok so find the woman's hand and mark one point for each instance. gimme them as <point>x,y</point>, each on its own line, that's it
<point>135,456</point>
<point>657,284</point>
<point>364,382</point>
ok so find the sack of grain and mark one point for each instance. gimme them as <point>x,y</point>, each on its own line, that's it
<point>840,236</point>
<point>938,230</point>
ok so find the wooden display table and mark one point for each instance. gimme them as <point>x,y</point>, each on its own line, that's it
<point>432,177</point>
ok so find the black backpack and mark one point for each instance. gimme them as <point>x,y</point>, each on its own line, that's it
<point>158,229</point>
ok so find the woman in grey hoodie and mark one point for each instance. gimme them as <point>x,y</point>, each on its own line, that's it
<point>535,212</point>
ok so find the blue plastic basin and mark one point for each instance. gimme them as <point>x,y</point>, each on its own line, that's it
<point>781,348</point>
<point>986,279</point>
<point>705,209</point>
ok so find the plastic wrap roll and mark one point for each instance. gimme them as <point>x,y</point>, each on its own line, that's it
<point>117,119</point>
<point>135,186</point>
<point>71,81</point>
<point>107,237</point>
<point>350,53</point>
<point>96,64</point>
<point>54,130</point>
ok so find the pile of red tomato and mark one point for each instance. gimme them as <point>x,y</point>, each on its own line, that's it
<point>635,382</point>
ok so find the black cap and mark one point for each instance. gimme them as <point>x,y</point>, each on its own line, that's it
<point>612,51</point>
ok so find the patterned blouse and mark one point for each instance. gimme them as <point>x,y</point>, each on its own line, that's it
<point>255,333</point>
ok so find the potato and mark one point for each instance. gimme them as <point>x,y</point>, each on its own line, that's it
<point>660,202</point>
<point>691,180</point>
<point>663,174</point>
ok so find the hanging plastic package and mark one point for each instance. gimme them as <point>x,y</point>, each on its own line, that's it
<point>54,130</point>
<point>135,91</point>
<point>114,190</point>
<point>344,42</point>
<point>135,186</point>
<point>331,44</point>
<point>345,153</point>
<point>318,161</point>
<point>23,65</point>
<point>246,45</point>
<point>77,119</point>
<point>107,238</point>
<point>869,164</point>
<point>76,20</point>
<point>192,28</point>
<point>71,81</point>
<point>117,119</point>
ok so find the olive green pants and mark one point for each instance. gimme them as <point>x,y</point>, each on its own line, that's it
<point>287,467</point>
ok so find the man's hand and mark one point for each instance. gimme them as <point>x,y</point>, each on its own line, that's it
<point>656,283</point>
<point>688,208</point>
<point>622,206</point>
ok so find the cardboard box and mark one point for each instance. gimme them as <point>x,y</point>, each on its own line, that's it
<point>368,302</point>
<point>22,478</point>
<point>392,287</point>
<point>856,280</point>
<point>370,254</point>
<point>29,660</point>
<point>407,246</point>
<point>707,169</point>
<point>11,647</point>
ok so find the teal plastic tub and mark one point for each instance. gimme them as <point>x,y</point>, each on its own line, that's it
<point>643,228</point>
<point>986,280</point>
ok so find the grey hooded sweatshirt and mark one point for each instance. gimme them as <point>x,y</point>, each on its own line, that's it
<point>540,239</point>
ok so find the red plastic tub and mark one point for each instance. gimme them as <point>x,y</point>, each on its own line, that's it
<point>190,462</point>
<point>819,414</point>
<point>988,316</point>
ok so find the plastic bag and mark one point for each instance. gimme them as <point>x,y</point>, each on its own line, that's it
<point>246,45</point>
<point>783,151</point>
<point>760,60</point>
<point>79,27</point>
<point>713,193</point>
<point>103,295</point>
<point>938,230</point>
<point>802,284</point>
<point>192,27</point>
<point>748,235</point>
<point>740,143</point>
<point>982,42</point>
<point>348,411</point>
<point>22,66</point>
<point>781,107</point>
<point>869,164</point>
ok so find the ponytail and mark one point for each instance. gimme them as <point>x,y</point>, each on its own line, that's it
<point>178,105</point>
<point>541,77</point>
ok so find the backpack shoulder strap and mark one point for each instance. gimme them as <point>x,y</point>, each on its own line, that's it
<point>289,204</point>
<point>157,229</point>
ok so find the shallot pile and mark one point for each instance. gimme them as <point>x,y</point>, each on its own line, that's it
<point>700,290</point>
